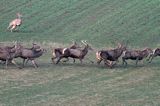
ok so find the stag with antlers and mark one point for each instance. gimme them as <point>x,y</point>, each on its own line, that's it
<point>110,56</point>
<point>56,52</point>
<point>75,53</point>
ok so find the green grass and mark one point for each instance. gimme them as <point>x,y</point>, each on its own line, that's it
<point>102,23</point>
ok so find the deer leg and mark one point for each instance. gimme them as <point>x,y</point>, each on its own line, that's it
<point>99,61</point>
<point>6,63</point>
<point>80,60</point>
<point>9,27</point>
<point>53,58</point>
<point>24,62</point>
<point>34,63</point>
<point>124,61</point>
<point>58,60</point>
<point>16,28</point>
<point>13,27</point>
<point>27,61</point>
<point>111,64</point>
<point>73,60</point>
<point>137,61</point>
<point>151,58</point>
<point>106,62</point>
<point>114,63</point>
<point>12,61</point>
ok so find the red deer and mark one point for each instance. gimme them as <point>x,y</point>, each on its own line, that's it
<point>135,55</point>
<point>156,52</point>
<point>75,53</point>
<point>8,54</point>
<point>14,23</point>
<point>30,54</point>
<point>59,51</point>
<point>109,56</point>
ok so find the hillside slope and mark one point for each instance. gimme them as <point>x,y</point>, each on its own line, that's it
<point>101,22</point>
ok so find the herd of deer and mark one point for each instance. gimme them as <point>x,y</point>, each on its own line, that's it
<point>9,53</point>
<point>108,56</point>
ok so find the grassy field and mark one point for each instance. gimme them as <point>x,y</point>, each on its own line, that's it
<point>102,23</point>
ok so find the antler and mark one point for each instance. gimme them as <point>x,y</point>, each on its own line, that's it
<point>73,41</point>
<point>119,45</point>
<point>84,42</point>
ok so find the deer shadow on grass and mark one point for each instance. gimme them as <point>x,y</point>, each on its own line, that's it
<point>26,31</point>
<point>50,65</point>
<point>90,65</point>
<point>133,66</point>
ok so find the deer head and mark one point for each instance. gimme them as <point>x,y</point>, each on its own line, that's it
<point>19,15</point>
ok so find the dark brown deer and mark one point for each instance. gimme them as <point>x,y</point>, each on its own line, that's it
<point>56,52</point>
<point>7,54</point>
<point>110,56</point>
<point>155,53</point>
<point>135,55</point>
<point>14,23</point>
<point>30,54</point>
<point>75,53</point>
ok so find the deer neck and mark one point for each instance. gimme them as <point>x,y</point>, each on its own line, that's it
<point>38,53</point>
<point>119,51</point>
<point>85,50</point>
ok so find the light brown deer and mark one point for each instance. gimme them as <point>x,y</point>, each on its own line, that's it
<point>14,23</point>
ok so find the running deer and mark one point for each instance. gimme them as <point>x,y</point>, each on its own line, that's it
<point>30,54</point>
<point>7,54</point>
<point>110,56</point>
<point>14,23</point>
<point>75,53</point>
<point>56,52</point>
<point>156,52</point>
<point>135,55</point>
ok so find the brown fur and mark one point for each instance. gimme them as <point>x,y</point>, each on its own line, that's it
<point>155,53</point>
<point>56,52</point>
<point>75,53</point>
<point>135,55</point>
<point>30,54</point>
<point>109,56</point>
<point>7,54</point>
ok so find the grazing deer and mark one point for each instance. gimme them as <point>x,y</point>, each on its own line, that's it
<point>156,52</point>
<point>109,56</point>
<point>135,55</point>
<point>75,53</point>
<point>56,52</point>
<point>14,23</point>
